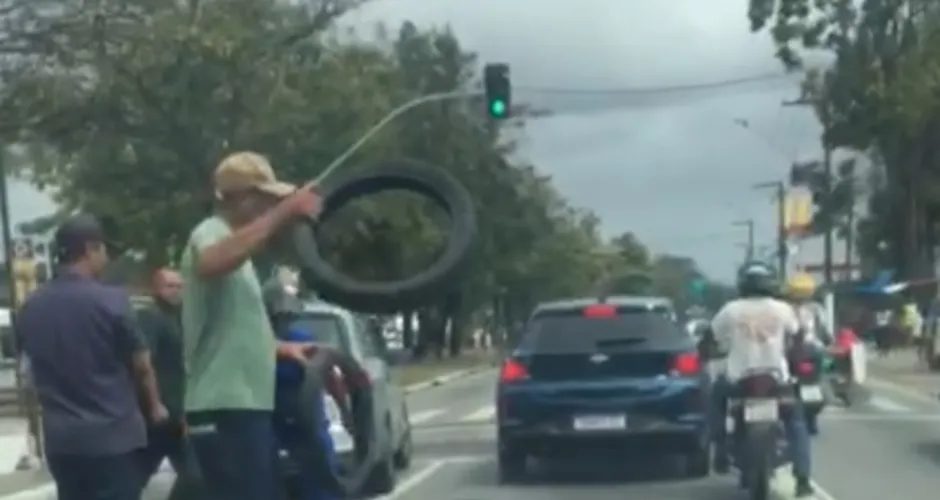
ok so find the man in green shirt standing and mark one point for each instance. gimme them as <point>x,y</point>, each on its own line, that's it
<point>228,344</point>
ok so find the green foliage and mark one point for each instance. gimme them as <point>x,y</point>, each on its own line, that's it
<point>880,98</point>
<point>123,109</point>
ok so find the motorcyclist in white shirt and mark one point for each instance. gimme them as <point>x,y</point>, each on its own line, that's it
<point>755,331</point>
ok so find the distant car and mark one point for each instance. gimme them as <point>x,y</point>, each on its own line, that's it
<point>602,377</point>
<point>357,336</point>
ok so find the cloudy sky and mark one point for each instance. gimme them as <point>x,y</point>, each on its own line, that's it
<point>674,168</point>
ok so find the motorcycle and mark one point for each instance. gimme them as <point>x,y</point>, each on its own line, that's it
<point>810,376</point>
<point>757,404</point>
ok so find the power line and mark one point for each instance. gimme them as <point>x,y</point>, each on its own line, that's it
<point>766,77</point>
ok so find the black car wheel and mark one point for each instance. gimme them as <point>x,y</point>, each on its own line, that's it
<point>698,462</point>
<point>406,447</point>
<point>381,480</point>
<point>512,466</point>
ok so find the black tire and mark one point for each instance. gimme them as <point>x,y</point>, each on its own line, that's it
<point>367,450</point>
<point>391,296</point>
<point>382,478</point>
<point>512,466</point>
<point>759,468</point>
<point>405,449</point>
<point>697,464</point>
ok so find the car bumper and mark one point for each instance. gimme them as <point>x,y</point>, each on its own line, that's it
<point>653,438</point>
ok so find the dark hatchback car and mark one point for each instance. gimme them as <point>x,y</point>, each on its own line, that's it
<point>603,378</point>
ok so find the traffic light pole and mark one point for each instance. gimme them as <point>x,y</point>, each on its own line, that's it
<point>389,118</point>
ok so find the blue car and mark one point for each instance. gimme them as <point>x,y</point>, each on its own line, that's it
<point>603,378</point>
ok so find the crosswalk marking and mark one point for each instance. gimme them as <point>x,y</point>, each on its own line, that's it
<point>424,416</point>
<point>483,414</point>
<point>887,405</point>
<point>878,408</point>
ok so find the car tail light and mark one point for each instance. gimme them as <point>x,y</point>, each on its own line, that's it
<point>600,311</point>
<point>686,364</point>
<point>513,371</point>
<point>805,368</point>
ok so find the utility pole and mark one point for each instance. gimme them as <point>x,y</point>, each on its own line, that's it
<point>826,121</point>
<point>780,193</point>
<point>749,224</point>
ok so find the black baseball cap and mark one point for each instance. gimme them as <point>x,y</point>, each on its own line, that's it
<point>75,233</point>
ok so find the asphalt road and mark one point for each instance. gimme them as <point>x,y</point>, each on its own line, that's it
<point>885,447</point>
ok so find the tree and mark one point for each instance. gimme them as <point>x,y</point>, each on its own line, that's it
<point>878,98</point>
<point>134,103</point>
<point>123,110</point>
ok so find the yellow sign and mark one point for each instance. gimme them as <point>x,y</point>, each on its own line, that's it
<point>798,210</point>
<point>24,279</point>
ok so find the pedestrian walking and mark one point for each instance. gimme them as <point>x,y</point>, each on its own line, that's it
<point>229,346</point>
<point>160,324</point>
<point>81,337</point>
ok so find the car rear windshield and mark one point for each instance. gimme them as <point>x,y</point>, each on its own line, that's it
<point>569,331</point>
<point>325,328</point>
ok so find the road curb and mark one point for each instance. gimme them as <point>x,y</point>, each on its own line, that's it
<point>441,380</point>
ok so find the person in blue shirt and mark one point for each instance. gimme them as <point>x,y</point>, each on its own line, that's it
<point>290,376</point>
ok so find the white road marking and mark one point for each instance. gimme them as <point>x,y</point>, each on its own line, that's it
<point>885,404</point>
<point>483,414</point>
<point>424,416</point>
<point>784,486</point>
<point>414,480</point>
<point>901,390</point>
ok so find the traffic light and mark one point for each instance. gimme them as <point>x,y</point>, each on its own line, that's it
<point>498,90</point>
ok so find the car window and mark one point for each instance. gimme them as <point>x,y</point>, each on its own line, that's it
<point>369,349</point>
<point>325,328</point>
<point>570,331</point>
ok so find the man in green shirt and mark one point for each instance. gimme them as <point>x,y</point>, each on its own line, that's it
<point>229,348</point>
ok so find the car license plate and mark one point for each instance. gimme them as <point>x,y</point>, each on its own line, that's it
<point>811,393</point>
<point>760,410</point>
<point>600,423</point>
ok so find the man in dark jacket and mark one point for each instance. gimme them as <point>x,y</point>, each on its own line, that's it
<point>160,324</point>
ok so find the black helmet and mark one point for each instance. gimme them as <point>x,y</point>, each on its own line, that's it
<point>758,279</point>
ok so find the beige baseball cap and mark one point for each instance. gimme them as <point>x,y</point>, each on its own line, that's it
<point>247,170</point>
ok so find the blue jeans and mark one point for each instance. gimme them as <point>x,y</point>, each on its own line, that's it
<point>107,477</point>
<point>794,424</point>
<point>236,451</point>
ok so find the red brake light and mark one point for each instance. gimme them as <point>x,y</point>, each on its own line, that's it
<point>513,371</point>
<point>600,311</point>
<point>687,364</point>
<point>805,368</point>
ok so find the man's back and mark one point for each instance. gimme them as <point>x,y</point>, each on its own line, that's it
<point>753,332</point>
<point>76,333</point>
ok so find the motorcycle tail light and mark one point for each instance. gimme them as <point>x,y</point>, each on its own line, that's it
<point>805,368</point>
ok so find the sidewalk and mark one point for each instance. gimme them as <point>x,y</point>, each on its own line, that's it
<point>12,442</point>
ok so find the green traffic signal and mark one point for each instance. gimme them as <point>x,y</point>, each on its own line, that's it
<point>498,90</point>
<point>498,108</point>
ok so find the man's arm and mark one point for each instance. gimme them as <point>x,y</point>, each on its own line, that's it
<point>219,256</point>
<point>132,345</point>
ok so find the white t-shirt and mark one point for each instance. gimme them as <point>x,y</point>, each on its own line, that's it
<point>753,331</point>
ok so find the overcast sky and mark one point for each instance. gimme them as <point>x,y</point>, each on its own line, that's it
<point>674,168</point>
